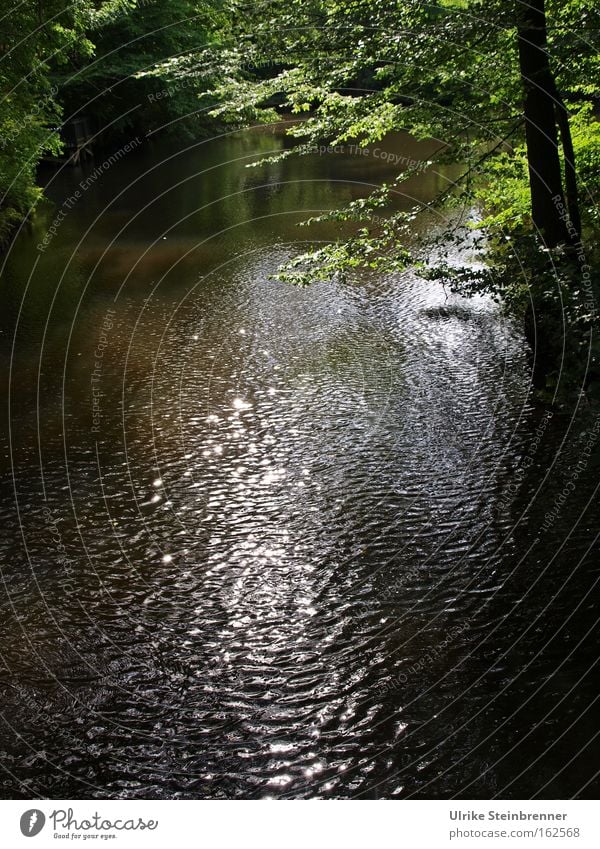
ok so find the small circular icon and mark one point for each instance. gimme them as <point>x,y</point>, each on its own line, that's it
<point>32,822</point>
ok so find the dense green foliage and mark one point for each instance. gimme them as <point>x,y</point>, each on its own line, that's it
<point>33,38</point>
<point>360,69</point>
<point>109,61</point>
<point>129,85</point>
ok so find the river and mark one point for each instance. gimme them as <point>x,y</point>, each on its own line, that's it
<point>267,541</point>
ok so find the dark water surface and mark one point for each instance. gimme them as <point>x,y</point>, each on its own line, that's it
<point>261,541</point>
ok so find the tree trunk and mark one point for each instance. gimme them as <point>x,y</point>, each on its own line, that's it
<point>540,123</point>
<point>562,116</point>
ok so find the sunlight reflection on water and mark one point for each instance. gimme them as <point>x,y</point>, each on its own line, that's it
<point>289,540</point>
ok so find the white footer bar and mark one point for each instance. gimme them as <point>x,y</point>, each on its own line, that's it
<point>301,824</point>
